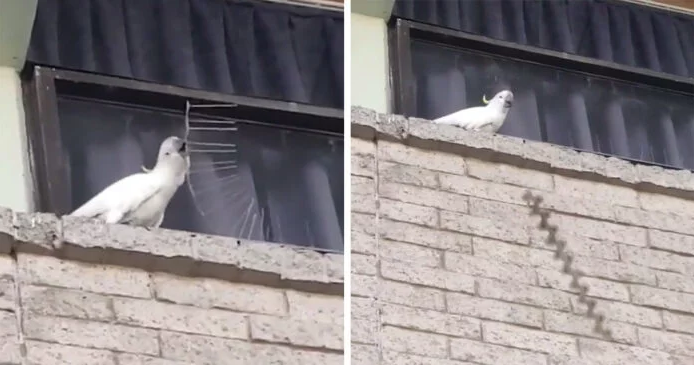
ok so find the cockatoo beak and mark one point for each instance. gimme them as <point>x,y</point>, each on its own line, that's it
<point>484,99</point>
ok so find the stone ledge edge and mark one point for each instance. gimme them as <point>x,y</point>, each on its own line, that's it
<point>371,125</point>
<point>47,234</point>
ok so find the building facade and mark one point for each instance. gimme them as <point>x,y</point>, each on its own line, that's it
<point>449,266</point>
<point>82,293</point>
<point>90,90</point>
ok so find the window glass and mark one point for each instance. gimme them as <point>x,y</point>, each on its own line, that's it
<point>559,106</point>
<point>282,186</point>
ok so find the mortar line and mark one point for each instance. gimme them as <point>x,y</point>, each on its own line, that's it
<point>19,314</point>
<point>377,236</point>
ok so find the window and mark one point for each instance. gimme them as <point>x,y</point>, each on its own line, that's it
<point>88,131</point>
<point>585,103</point>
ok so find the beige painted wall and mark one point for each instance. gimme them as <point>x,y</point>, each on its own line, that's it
<point>16,22</point>
<point>370,84</point>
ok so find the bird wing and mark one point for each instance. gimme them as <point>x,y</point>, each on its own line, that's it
<point>124,195</point>
<point>470,118</point>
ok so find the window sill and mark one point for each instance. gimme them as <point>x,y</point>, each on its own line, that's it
<point>367,124</point>
<point>176,252</point>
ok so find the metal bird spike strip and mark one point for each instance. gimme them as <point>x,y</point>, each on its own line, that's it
<point>222,156</point>
<point>534,202</point>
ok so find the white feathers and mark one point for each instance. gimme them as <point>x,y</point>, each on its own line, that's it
<point>141,199</point>
<point>487,118</point>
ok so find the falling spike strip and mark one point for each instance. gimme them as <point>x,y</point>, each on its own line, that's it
<point>535,202</point>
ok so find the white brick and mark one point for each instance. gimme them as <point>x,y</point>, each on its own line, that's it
<point>7,297</point>
<point>363,185</point>
<point>413,342</point>
<point>364,331</point>
<point>49,301</point>
<point>431,321</point>
<point>495,210</point>
<point>508,335</point>
<point>405,174</point>
<point>130,359</point>
<point>9,345</point>
<point>596,287</point>
<point>674,343</point>
<point>91,334</point>
<point>666,204</point>
<point>579,206</point>
<point>582,325</point>
<point>660,298</point>
<point>682,360</point>
<point>406,212</point>
<point>414,296</point>
<point>147,313</point>
<point>653,258</point>
<point>671,241</point>
<point>524,294</point>
<point>423,196</point>
<point>583,246</point>
<point>393,151</point>
<point>591,190</point>
<point>578,245</point>
<point>363,308</point>
<point>364,355</point>
<point>413,254</point>
<point>213,293</point>
<point>484,227</point>
<point>418,235</point>
<point>316,307</point>
<point>516,254</point>
<point>616,271</point>
<point>679,322</point>
<point>596,350</point>
<point>363,242</point>
<point>677,282</point>
<point>41,353</point>
<point>364,285</point>
<point>650,219</point>
<point>399,358</point>
<point>487,190</point>
<point>364,223</point>
<point>363,264</point>
<point>363,165</point>
<point>427,276</point>
<point>46,270</point>
<point>6,267</point>
<point>297,333</point>
<point>476,266</point>
<point>601,230</point>
<point>623,312</point>
<point>203,350</point>
<point>362,147</point>
<point>363,203</point>
<point>494,310</point>
<point>509,174</point>
<point>485,353</point>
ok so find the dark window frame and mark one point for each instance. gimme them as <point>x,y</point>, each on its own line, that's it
<point>401,33</point>
<point>42,87</point>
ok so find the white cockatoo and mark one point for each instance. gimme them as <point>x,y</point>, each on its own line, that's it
<point>141,199</point>
<point>487,118</point>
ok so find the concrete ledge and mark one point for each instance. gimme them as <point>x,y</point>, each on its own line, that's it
<point>177,252</point>
<point>370,125</point>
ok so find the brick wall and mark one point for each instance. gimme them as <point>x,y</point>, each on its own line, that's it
<point>449,267</point>
<point>82,293</point>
